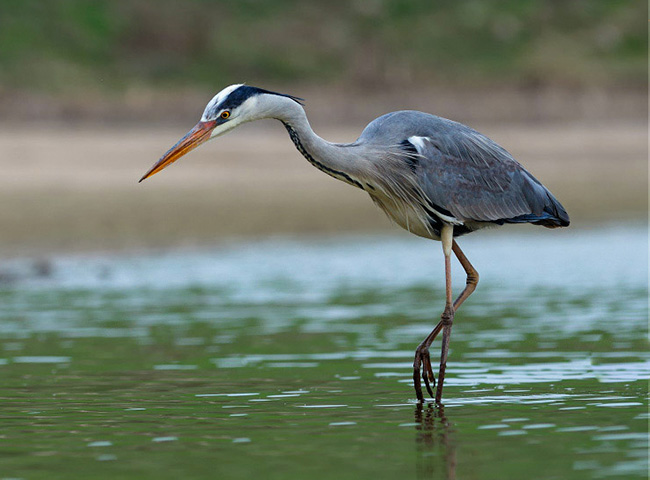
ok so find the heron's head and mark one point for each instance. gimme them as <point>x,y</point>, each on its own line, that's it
<point>229,108</point>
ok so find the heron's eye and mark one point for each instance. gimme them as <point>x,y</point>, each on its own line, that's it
<point>225,114</point>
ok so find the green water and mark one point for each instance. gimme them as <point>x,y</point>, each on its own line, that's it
<point>288,359</point>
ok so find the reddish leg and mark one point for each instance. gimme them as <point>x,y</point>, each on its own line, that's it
<point>472,276</point>
<point>446,319</point>
<point>422,357</point>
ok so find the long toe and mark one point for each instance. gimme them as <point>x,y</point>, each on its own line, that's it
<point>417,385</point>
<point>417,361</point>
<point>427,373</point>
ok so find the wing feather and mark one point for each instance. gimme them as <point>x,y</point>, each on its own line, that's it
<point>477,180</point>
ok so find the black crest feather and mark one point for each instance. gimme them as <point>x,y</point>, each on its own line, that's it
<point>243,93</point>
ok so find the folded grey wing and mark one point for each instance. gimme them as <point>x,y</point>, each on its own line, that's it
<point>470,177</point>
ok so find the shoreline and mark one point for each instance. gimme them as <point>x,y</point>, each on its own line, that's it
<point>65,190</point>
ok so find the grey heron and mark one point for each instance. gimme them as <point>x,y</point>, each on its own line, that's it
<point>434,177</point>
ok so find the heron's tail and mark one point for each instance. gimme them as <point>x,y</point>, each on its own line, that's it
<point>557,215</point>
<point>546,210</point>
<point>553,214</point>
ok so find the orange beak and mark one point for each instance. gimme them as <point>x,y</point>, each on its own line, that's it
<point>195,137</point>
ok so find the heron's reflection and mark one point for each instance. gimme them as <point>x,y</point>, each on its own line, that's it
<point>434,440</point>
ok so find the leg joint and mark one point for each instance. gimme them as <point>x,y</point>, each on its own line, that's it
<point>447,317</point>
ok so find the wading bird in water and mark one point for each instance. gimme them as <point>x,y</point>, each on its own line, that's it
<point>436,178</point>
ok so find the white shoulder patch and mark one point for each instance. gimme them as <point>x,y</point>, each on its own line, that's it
<point>218,98</point>
<point>418,142</point>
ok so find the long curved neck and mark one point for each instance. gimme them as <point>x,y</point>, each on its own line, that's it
<point>337,160</point>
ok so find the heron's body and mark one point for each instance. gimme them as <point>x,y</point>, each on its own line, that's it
<point>434,177</point>
<point>453,174</point>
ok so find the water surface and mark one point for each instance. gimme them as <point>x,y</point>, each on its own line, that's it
<point>287,359</point>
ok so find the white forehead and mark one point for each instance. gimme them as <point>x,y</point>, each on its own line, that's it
<point>218,98</point>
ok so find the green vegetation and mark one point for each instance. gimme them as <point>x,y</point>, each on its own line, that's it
<point>106,45</point>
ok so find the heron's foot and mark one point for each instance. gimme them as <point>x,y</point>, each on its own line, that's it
<point>423,360</point>
<point>427,373</point>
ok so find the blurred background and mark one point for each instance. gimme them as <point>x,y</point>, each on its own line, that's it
<point>93,92</point>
